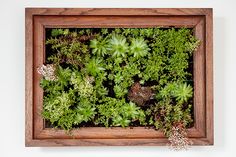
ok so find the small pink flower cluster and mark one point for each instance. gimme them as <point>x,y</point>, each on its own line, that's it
<point>178,139</point>
<point>48,72</point>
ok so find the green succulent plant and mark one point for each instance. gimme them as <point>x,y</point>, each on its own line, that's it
<point>63,75</point>
<point>120,121</point>
<point>118,46</point>
<point>104,31</point>
<point>146,32</point>
<point>119,112</point>
<point>180,91</point>
<point>99,46</point>
<point>55,108</point>
<point>138,47</point>
<point>131,110</point>
<point>119,91</point>
<point>168,91</point>
<point>94,66</point>
<point>183,92</point>
<point>84,112</point>
<point>56,32</point>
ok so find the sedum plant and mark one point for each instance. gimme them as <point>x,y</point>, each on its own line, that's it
<point>180,91</point>
<point>94,66</point>
<point>120,77</point>
<point>56,107</point>
<point>83,85</point>
<point>85,111</point>
<point>112,113</point>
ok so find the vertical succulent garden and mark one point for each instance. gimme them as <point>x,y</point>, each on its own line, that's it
<point>120,77</point>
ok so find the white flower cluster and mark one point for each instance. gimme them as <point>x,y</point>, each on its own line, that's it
<point>178,139</point>
<point>48,72</point>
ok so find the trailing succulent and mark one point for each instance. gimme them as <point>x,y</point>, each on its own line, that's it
<point>120,77</point>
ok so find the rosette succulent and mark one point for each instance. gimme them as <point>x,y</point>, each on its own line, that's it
<point>183,92</point>
<point>99,46</point>
<point>180,91</point>
<point>118,46</point>
<point>138,47</point>
<point>94,66</point>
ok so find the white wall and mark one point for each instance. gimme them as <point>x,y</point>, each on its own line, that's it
<point>12,79</point>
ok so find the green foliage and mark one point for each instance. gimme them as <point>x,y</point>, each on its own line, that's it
<point>118,46</point>
<point>167,114</point>
<point>154,67</point>
<point>83,85</point>
<point>116,112</point>
<point>123,78</point>
<point>183,92</point>
<point>99,46</point>
<point>168,91</point>
<point>56,32</point>
<point>96,68</point>
<point>180,91</point>
<point>85,111</point>
<point>67,48</point>
<point>138,47</point>
<point>55,107</point>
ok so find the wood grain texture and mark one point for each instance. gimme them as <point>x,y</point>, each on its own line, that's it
<point>107,142</point>
<point>28,78</point>
<point>199,79</point>
<point>37,19</point>
<point>119,11</point>
<point>108,133</point>
<point>38,57</point>
<point>118,21</point>
<point>209,78</point>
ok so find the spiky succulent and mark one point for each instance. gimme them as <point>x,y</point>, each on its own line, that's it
<point>131,110</point>
<point>120,121</point>
<point>138,47</point>
<point>94,66</point>
<point>84,111</point>
<point>99,47</point>
<point>180,91</point>
<point>183,92</point>
<point>118,46</point>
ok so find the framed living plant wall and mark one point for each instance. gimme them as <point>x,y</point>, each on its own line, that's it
<point>119,77</point>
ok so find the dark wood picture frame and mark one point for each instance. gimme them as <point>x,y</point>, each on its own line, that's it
<point>37,19</point>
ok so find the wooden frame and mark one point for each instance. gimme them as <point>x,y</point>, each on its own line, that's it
<point>37,19</point>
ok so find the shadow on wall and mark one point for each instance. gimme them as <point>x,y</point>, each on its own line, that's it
<point>220,54</point>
